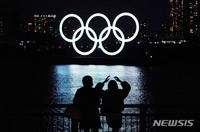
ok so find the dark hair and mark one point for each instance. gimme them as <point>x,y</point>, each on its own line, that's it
<point>112,85</point>
<point>87,81</point>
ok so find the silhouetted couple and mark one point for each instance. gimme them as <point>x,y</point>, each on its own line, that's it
<point>88,100</point>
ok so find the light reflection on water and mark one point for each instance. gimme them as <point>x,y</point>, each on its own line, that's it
<point>33,83</point>
<point>68,78</point>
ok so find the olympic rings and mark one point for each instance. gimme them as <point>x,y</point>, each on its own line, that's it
<point>61,25</point>
<point>95,42</point>
<point>102,36</point>
<point>121,47</point>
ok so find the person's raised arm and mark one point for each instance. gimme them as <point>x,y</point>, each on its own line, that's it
<point>100,85</point>
<point>126,87</point>
<point>107,79</point>
<point>117,79</point>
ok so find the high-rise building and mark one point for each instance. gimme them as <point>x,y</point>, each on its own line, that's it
<point>28,27</point>
<point>165,33</point>
<point>144,32</point>
<point>183,18</point>
<point>1,28</point>
<point>44,24</point>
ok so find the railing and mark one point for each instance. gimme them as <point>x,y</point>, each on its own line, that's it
<point>136,118</point>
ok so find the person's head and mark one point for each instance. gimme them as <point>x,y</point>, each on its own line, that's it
<point>87,81</point>
<point>112,85</point>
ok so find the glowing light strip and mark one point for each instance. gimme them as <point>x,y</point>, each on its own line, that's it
<point>61,25</point>
<point>136,22</point>
<point>121,47</point>
<point>74,43</point>
<point>88,22</point>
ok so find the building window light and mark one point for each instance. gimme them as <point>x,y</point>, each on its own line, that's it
<point>191,30</point>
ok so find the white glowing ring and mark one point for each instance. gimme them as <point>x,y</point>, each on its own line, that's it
<point>121,47</point>
<point>101,38</point>
<point>74,43</point>
<point>61,30</point>
<point>136,30</point>
<point>88,22</point>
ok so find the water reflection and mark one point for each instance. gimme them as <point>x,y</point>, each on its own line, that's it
<point>68,78</point>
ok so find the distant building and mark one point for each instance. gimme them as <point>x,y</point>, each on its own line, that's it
<point>165,32</point>
<point>45,24</point>
<point>155,38</point>
<point>183,18</point>
<point>1,28</point>
<point>144,32</point>
<point>28,27</point>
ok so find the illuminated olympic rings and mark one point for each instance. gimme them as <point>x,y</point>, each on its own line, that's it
<point>102,36</point>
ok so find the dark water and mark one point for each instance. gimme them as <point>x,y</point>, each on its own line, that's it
<point>35,83</point>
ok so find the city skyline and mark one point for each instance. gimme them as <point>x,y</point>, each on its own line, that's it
<point>154,12</point>
<point>41,31</point>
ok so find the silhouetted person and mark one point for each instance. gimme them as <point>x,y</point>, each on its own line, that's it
<point>88,100</point>
<point>113,102</point>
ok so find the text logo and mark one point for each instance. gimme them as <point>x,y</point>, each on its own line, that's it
<point>173,123</point>
<point>101,37</point>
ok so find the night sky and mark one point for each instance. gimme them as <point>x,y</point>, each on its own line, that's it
<point>152,11</point>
